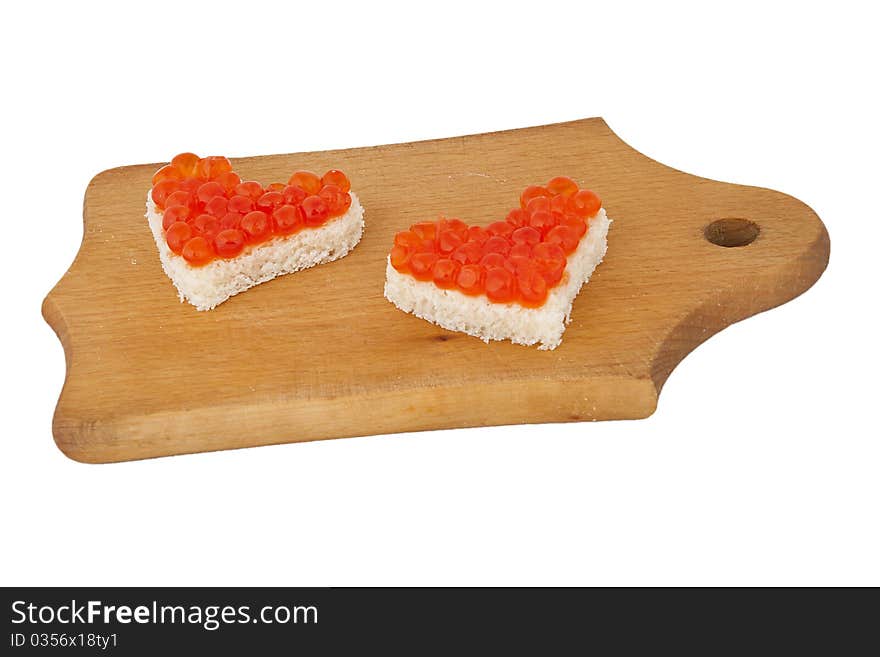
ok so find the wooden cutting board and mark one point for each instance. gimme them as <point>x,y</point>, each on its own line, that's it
<point>321,354</point>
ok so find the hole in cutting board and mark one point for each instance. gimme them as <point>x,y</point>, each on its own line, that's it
<point>731,232</point>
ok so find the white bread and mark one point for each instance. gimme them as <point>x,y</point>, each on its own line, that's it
<point>212,284</point>
<point>477,316</point>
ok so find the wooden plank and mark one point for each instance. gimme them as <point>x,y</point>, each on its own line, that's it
<point>321,354</point>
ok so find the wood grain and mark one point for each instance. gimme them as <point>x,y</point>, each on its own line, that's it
<point>321,354</point>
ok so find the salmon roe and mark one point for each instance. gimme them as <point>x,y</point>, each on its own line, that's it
<point>518,260</point>
<point>208,212</point>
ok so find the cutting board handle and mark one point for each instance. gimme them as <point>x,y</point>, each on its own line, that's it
<point>750,249</point>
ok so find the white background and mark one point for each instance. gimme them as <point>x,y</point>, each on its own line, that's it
<point>761,464</point>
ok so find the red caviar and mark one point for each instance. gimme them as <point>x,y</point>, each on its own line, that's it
<point>421,265</point>
<point>497,244</point>
<point>315,210</point>
<point>578,225</point>
<point>408,239</point>
<point>162,190</point>
<point>449,240</point>
<point>521,250</point>
<point>445,272</point>
<point>230,180</point>
<point>337,201</point>
<point>230,220</point>
<point>209,190</point>
<point>559,203</point>
<point>288,218</point>
<point>500,284</point>
<point>269,201</point>
<point>564,236</point>
<point>584,204</point>
<point>531,192</point>
<point>519,260</point>
<point>167,172</point>
<point>469,253</point>
<point>532,285</point>
<point>207,225</point>
<point>426,230</point>
<point>178,234</point>
<point>174,214</point>
<point>179,197</point>
<point>562,185</point>
<point>229,242</point>
<point>253,190</point>
<point>538,204</point>
<point>212,166</point>
<point>208,212</point>
<point>197,251</point>
<point>241,204</point>
<point>217,206</point>
<point>470,279</point>
<point>336,177</point>
<point>190,185</point>
<point>294,195</point>
<point>400,256</point>
<point>307,180</point>
<point>501,229</point>
<point>256,226</point>
<point>186,164</point>
<point>525,235</point>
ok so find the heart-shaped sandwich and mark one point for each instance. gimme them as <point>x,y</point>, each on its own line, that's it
<point>512,280</point>
<point>218,235</point>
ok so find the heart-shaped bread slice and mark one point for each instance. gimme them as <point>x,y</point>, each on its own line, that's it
<point>218,235</point>
<point>511,280</point>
